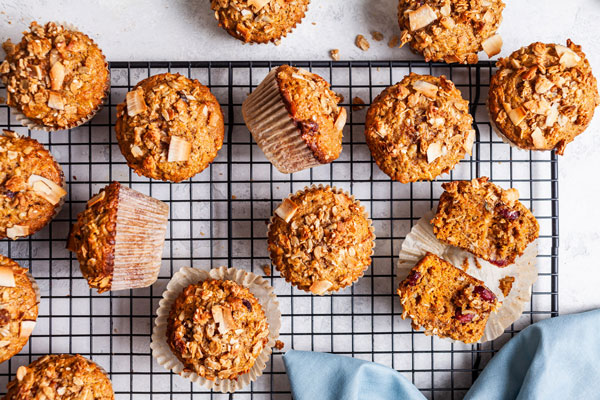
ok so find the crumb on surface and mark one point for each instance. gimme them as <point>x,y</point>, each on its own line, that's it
<point>335,54</point>
<point>279,344</point>
<point>505,284</point>
<point>465,264</point>
<point>362,43</point>
<point>377,36</point>
<point>394,41</point>
<point>267,269</point>
<point>357,104</point>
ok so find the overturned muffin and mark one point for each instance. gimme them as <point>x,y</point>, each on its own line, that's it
<point>543,96</point>
<point>119,239</point>
<point>484,219</point>
<point>445,301</point>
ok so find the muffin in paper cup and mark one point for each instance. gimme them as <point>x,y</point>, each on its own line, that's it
<point>422,240</point>
<point>186,276</point>
<point>119,239</point>
<point>70,100</point>
<point>295,119</point>
<point>350,255</point>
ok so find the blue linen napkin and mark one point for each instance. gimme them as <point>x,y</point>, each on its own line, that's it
<point>553,359</point>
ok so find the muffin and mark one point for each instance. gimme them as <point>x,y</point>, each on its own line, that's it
<point>446,301</point>
<point>259,21</point>
<point>56,77</point>
<point>62,376</point>
<point>419,128</point>
<point>451,31</point>
<point>19,309</point>
<point>321,240</point>
<point>295,119</point>
<point>31,186</point>
<point>119,239</point>
<point>543,96</point>
<point>485,220</point>
<point>169,127</point>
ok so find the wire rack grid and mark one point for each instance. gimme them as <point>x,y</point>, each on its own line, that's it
<point>219,218</point>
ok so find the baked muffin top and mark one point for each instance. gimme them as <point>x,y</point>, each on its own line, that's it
<point>259,21</point>
<point>217,329</point>
<point>56,77</point>
<point>419,128</point>
<point>31,186</point>
<point>60,377</point>
<point>453,31</point>
<point>543,96</point>
<point>92,237</point>
<point>19,308</point>
<point>169,127</point>
<point>314,108</point>
<point>320,240</point>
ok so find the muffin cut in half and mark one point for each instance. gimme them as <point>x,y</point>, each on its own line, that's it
<point>119,239</point>
<point>446,301</point>
<point>484,219</point>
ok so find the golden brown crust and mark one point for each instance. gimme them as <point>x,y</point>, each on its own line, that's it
<point>24,206</point>
<point>259,21</point>
<point>18,311</point>
<point>445,301</point>
<point>314,109</point>
<point>217,329</point>
<point>60,377</point>
<point>320,240</point>
<point>161,108</point>
<point>484,219</point>
<point>543,96</point>
<point>449,30</point>
<point>55,76</point>
<point>92,237</point>
<point>419,128</point>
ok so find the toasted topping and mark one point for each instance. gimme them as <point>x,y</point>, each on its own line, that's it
<point>21,372</point>
<point>426,88</point>
<point>57,76</point>
<point>335,54</point>
<point>492,45</point>
<point>538,138</point>
<point>258,4</point>
<point>542,85</point>
<point>362,43</point>
<point>552,115</point>
<point>435,150</point>
<point>517,115</point>
<point>510,196</point>
<point>568,58</point>
<point>7,277</point>
<point>377,36</point>
<point>179,149</point>
<point>17,231</point>
<point>447,22</point>
<point>97,198</point>
<point>136,151</point>
<point>10,134</point>
<point>470,141</point>
<point>286,210</point>
<point>26,328</point>
<point>340,121</point>
<point>320,287</point>
<point>135,102</point>
<point>56,101</point>
<point>222,316</point>
<point>421,17</point>
<point>46,189</point>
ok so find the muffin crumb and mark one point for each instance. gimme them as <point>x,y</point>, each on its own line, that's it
<point>362,43</point>
<point>505,284</point>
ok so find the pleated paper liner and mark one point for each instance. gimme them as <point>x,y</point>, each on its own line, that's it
<point>365,214</point>
<point>274,130</point>
<point>258,286</point>
<point>139,239</point>
<point>26,122</point>
<point>422,240</point>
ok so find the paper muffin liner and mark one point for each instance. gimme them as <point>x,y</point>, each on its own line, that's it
<point>139,239</point>
<point>422,240</point>
<point>364,213</point>
<point>26,122</point>
<point>257,285</point>
<point>274,130</point>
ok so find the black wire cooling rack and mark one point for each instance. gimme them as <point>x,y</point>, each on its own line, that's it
<point>219,218</point>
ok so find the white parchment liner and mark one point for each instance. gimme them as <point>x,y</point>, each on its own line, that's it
<point>258,286</point>
<point>26,122</point>
<point>362,208</point>
<point>421,240</point>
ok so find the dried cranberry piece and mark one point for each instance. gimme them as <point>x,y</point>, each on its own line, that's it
<point>4,317</point>
<point>507,213</point>
<point>485,294</point>
<point>499,263</point>
<point>247,304</point>
<point>9,193</point>
<point>413,278</point>
<point>463,318</point>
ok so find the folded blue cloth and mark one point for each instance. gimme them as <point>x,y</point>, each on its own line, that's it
<point>552,359</point>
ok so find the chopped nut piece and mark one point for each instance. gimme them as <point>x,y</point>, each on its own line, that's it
<point>340,121</point>
<point>492,45</point>
<point>26,328</point>
<point>568,58</point>
<point>435,150</point>
<point>179,149</point>
<point>538,138</point>
<point>135,102</point>
<point>362,43</point>
<point>46,189</point>
<point>426,88</point>
<point>421,17</point>
<point>279,344</point>
<point>394,41</point>
<point>57,76</point>
<point>320,287</point>
<point>267,270</point>
<point>517,115</point>
<point>377,36</point>
<point>56,101</point>
<point>357,104</point>
<point>286,210</point>
<point>17,231</point>
<point>335,54</point>
<point>7,277</point>
<point>448,23</point>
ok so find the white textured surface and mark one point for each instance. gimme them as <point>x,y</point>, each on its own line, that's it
<point>186,30</point>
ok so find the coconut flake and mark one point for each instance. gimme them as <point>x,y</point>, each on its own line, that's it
<point>469,142</point>
<point>539,141</point>
<point>425,88</point>
<point>286,210</point>
<point>96,198</point>
<point>568,58</point>
<point>492,45</point>
<point>17,231</point>
<point>435,150</point>
<point>320,287</point>
<point>7,277</point>
<point>340,121</point>
<point>179,149</point>
<point>135,102</point>
<point>421,17</point>
<point>57,76</point>
<point>542,85</point>
<point>517,115</point>
<point>26,328</point>
<point>46,189</point>
<point>56,101</point>
<point>258,4</point>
